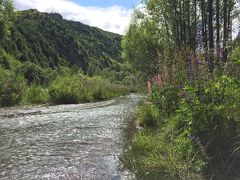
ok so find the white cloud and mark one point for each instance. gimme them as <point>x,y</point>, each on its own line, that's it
<point>114,19</point>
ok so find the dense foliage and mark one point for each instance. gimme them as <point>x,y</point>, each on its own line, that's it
<point>7,15</point>
<point>190,60</point>
<point>46,59</point>
<point>78,88</point>
<point>11,88</point>
<point>48,40</point>
<point>65,86</point>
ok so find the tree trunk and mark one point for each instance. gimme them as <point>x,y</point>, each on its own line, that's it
<point>218,23</point>
<point>195,25</point>
<point>210,35</point>
<point>204,29</point>
<point>225,30</point>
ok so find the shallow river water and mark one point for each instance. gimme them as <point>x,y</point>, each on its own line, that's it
<point>65,142</point>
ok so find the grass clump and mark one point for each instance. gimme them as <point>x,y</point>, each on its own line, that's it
<point>78,88</point>
<point>68,90</point>
<point>151,156</point>
<point>149,116</point>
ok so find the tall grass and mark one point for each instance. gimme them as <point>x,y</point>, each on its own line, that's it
<point>149,116</point>
<point>78,88</point>
<point>151,156</point>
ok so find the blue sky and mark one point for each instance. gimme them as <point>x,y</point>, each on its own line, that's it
<point>109,15</point>
<point>129,4</point>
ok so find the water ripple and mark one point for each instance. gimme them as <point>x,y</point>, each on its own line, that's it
<point>64,142</point>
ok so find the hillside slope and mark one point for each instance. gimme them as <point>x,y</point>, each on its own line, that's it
<point>50,41</point>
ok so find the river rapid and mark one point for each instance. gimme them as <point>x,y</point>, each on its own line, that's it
<point>66,142</point>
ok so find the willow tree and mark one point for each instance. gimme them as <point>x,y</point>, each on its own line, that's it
<point>145,44</point>
<point>200,26</point>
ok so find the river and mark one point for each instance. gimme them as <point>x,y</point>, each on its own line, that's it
<point>65,142</point>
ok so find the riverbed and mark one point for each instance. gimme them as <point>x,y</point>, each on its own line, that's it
<point>66,142</point>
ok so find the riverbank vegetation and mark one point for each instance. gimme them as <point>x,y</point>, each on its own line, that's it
<point>188,52</point>
<point>64,86</point>
<point>46,59</point>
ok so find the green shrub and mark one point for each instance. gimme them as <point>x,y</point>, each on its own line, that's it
<point>149,116</point>
<point>100,93</point>
<point>8,62</point>
<point>12,88</point>
<point>166,99</point>
<point>50,76</point>
<point>198,136</point>
<point>102,89</point>
<point>78,88</point>
<point>68,90</point>
<point>209,116</point>
<point>33,74</point>
<point>97,87</point>
<point>4,62</point>
<point>35,95</point>
<point>233,66</point>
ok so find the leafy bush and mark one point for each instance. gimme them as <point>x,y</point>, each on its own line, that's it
<point>100,93</point>
<point>68,90</point>
<point>4,62</point>
<point>98,88</point>
<point>166,99</point>
<point>198,134</point>
<point>33,73</point>
<point>11,88</point>
<point>209,116</point>
<point>235,56</point>
<point>234,66</point>
<point>101,89</point>
<point>35,95</point>
<point>78,88</point>
<point>8,62</point>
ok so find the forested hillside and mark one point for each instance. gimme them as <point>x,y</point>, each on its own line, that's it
<point>50,41</point>
<point>46,59</point>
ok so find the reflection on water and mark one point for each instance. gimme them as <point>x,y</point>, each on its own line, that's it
<point>65,142</point>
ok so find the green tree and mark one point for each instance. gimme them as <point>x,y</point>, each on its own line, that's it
<point>7,15</point>
<point>144,44</point>
<point>177,26</point>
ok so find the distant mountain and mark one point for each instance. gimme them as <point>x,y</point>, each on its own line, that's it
<point>48,40</point>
